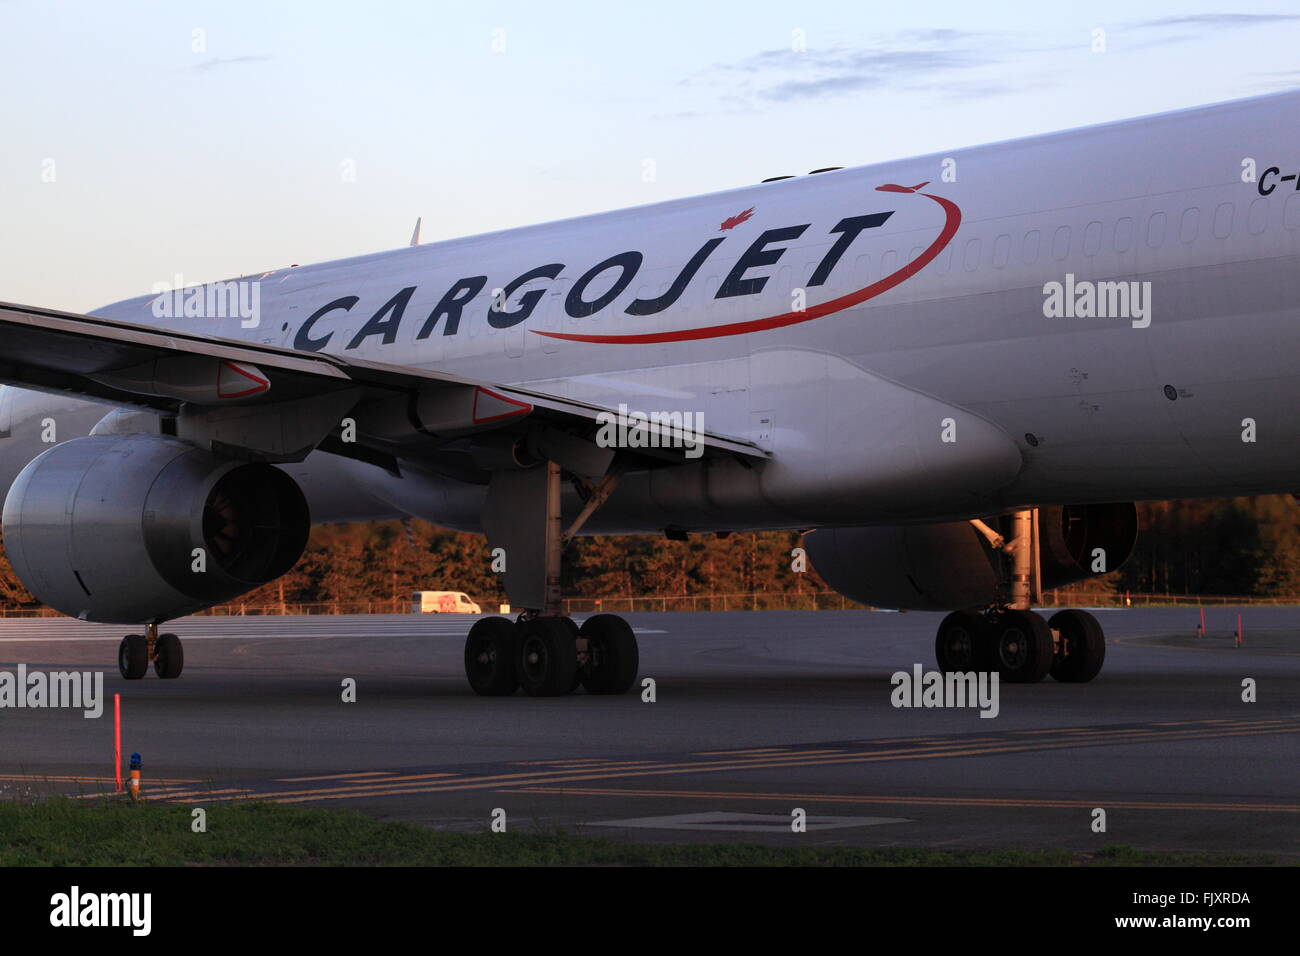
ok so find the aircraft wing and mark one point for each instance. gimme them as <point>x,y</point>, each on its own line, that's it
<point>227,388</point>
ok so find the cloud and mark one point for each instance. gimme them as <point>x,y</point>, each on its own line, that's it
<point>220,63</point>
<point>817,89</point>
<point>1218,20</point>
<point>1277,82</point>
<point>915,59</point>
<point>1184,28</point>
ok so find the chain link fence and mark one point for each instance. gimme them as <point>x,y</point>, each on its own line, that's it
<point>752,601</point>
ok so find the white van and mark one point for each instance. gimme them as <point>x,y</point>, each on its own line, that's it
<point>443,602</point>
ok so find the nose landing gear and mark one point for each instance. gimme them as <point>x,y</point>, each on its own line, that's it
<point>137,650</point>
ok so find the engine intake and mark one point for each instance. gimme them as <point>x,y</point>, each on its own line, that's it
<point>136,529</point>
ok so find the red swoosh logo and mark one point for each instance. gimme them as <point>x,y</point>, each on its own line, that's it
<point>952,219</point>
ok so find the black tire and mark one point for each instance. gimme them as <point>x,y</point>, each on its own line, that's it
<point>490,657</point>
<point>546,657</point>
<point>133,657</point>
<point>1022,647</point>
<point>1081,648</point>
<point>169,658</point>
<point>577,671</point>
<point>962,643</point>
<point>612,653</point>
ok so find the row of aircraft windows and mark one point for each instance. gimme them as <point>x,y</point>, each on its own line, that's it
<point>1157,230</point>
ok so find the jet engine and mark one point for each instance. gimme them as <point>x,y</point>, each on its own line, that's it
<point>139,529</point>
<point>950,566</point>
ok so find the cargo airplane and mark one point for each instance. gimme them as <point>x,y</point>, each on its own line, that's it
<point>955,373</point>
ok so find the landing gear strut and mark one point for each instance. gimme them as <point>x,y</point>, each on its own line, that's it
<point>544,652</point>
<point>1013,640</point>
<point>137,650</point>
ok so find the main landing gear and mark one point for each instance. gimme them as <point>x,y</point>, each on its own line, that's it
<point>551,656</point>
<point>1021,646</point>
<point>137,650</point>
<point>544,652</point>
<point>1013,640</point>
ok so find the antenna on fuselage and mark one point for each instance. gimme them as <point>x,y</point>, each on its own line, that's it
<point>415,236</point>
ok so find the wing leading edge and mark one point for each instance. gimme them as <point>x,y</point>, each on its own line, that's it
<point>398,411</point>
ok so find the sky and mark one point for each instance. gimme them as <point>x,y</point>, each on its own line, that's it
<point>145,140</point>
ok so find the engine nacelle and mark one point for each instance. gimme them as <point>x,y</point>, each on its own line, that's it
<point>950,566</point>
<point>136,529</point>
<point>1075,539</point>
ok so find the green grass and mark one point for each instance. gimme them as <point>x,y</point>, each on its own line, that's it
<point>108,832</point>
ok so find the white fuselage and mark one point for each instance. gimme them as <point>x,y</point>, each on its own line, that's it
<point>849,399</point>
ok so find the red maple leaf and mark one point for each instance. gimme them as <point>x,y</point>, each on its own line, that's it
<point>736,220</point>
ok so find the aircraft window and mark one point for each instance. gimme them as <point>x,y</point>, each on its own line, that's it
<point>1156,229</point>
<point>861,272</point>
<point>944,262</point>
<point>1061,243</point>
<point>1030,251</point>
<point>1223,221</point>
<point>827,287</point>
<point>783,285</point>
<point>1092,238</point>
<point>1001,250</point>
<point>971,260</point>
<point>1258,216</point>
<point>474,312</point>
<point>1191,224</point>
<point>888,262</point>
<point>642,293</point>
<point>1291,213</point>
<point>1123,234</point>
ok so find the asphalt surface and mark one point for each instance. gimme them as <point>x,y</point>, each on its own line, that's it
<point>756,714</point>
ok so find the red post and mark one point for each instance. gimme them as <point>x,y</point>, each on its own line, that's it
<point>1202,631</point>
<point>117,739</point>
<point>1236,638</point>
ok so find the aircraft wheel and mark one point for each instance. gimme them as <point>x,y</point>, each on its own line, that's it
<point>490,657</point>
<point>169,658</point>
<point>133,657</point>
<point>961,646</point>
<point>1022,647</point>
<point>612,653</point>
<point>1081,646</point>
<point>583,657</point>
<point>546,658</point>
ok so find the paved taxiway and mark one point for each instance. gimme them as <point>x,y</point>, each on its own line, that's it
<point>756,713</point>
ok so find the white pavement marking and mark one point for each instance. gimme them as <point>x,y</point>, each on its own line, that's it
<point>743,822</point>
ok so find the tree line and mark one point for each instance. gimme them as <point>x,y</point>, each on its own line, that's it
<point>1239,546</point>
